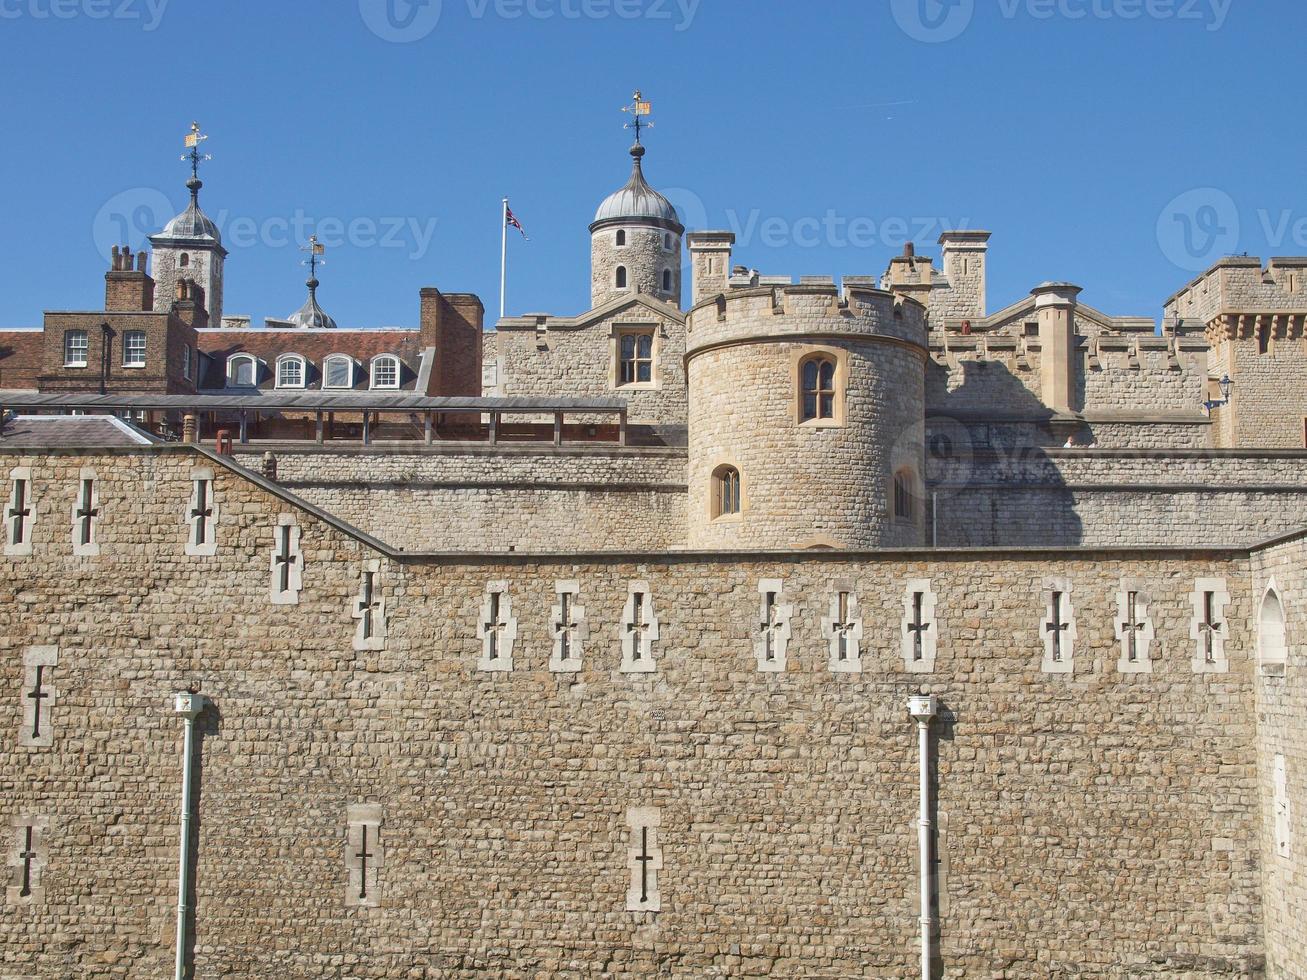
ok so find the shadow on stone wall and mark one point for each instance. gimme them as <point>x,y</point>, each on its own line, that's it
<point>989,479</point>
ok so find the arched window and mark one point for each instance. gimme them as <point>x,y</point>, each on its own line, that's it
<point>385,371</point>
<point>185,260</point>
<point>667,280</point>
<point>338,371</point>
<point>817,377</point>
<point>242,371</point>
<point>725,492</point>
<point>1271,646</point>
<point>290,371</point>
<point>905,495</point>
<point>621,277</point>
<point>75,346</point>
<point>621,238</point>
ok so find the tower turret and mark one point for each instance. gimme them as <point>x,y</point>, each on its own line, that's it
<point>190,247</point>
<point>635,243</point>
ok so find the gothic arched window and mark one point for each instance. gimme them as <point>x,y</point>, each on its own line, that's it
<point>1271,647</point>
<point>817,378</point>
<point>725,492</point>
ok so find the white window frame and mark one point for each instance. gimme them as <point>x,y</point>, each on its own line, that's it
<point>287,359</point>
<point>134,353</point>
<point>186,362</point>
<point>372,372</point>
<point>85,346</point>
<point>349,371</point>
<point>232,363</point>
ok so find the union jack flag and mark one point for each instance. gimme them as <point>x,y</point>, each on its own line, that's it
<point>511,221</point>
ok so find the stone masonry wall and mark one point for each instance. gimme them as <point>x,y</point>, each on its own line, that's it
<point>526,498</point>
<point>580,361</point>
<point>1269,398</point>
<point>1086,497</point>
<point>1095,823</point>
<point>1281,730</point>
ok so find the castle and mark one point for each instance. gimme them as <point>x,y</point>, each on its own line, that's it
<point>585,645</point>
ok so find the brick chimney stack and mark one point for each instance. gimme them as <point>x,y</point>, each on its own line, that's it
<point>189,306</point>
<point>127,289</point>
<point>452,323</point>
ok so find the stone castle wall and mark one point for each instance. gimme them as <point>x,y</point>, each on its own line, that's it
<point>1281,710</point>
<point>545,357</point>
<point>528,498</point>
<point>1072,497</point>
<point>804,483</point>
<point>1269,399</point>
<point>1095,823</point>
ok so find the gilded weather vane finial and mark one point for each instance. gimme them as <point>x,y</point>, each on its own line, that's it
<point>639,109</point>
<point>315,249</point>
<point>193,140</point>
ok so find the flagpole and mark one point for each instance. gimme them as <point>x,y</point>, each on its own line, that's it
<point>503,259</point>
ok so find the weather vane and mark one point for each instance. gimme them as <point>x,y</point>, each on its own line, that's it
<point>193,140</point>
<point>315,248</point>
<point>639,109</point>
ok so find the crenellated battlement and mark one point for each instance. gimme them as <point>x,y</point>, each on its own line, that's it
<point>1241,285</point>
<point>810,307</point>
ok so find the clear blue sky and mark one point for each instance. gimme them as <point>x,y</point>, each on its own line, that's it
<point>1069,128</point>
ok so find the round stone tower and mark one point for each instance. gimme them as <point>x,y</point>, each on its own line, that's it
<point>807,410</point>
<point>635,243</point>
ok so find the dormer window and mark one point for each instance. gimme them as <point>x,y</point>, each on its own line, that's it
<point>385,371</point>
<point>338,371</point>
<point>291,371</point>
<point>242,371</point>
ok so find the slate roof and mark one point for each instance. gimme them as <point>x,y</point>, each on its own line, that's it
<point>69,432</point>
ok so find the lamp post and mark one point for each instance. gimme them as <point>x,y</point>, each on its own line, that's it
<point>1226,384</point>
<point>924,707</point>
<point>188,704</point>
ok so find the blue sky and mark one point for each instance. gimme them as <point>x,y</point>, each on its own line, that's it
<point>1118,144</point>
